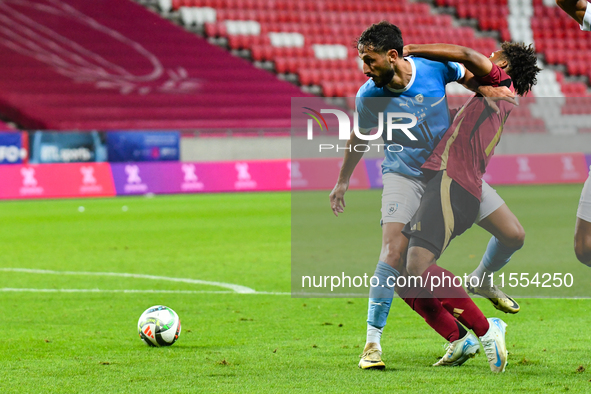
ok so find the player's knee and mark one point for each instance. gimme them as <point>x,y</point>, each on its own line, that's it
<point>515,237</point>
<point>518,237</point>
<point>583,251</point>
<point>393,256</point>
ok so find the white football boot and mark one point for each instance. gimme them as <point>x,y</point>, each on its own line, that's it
<point>494,345</point>
<point>460,351</point>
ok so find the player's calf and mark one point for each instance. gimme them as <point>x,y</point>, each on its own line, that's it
<point>498,254</point>
<point>583,241</point>
<point>583,254</point>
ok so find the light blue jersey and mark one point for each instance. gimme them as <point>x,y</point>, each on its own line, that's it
<point>424,97</point>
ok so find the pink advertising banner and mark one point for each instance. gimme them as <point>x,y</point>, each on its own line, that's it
<point>142,178</point>
<point>537,169</point>
<point>56,180</point>
<point>322,174</point>
<point>104,179</point>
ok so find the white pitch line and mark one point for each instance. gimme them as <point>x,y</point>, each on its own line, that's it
<point>25,290</point>
<point>296,295</point>
<point>235,288</point>
<point>19,290</point>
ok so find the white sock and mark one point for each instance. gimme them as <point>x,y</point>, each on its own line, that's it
<point>374,335</point>
<point>481,271</point>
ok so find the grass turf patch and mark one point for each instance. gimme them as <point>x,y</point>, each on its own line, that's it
<point>87,342</point>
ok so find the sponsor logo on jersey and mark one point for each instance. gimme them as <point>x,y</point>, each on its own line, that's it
<point>392,208</point>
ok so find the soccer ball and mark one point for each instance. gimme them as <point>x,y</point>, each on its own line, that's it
<point>159,326</point>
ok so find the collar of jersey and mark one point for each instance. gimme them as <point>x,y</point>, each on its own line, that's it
<point>412,79</point>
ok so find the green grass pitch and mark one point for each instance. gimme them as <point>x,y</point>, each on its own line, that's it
<point>85,340</point>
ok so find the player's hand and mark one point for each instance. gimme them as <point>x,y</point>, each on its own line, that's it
<point>337,198</point>
<point>493,94</point>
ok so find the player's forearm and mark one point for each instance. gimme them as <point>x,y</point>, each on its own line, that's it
<point>471,83</point>
<point>352,158</point>
<point>474,61</point>
<point>441,52</point>
<point>493,93</point>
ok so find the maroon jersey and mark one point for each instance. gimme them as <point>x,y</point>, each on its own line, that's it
<point>468,144</point>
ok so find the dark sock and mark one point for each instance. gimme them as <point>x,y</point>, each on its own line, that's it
<point>431,309</point>
<point>457,302</point>
<point>461,329</point>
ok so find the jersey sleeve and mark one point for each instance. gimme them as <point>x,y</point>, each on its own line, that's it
<point>453,72</point>
<point>493,78</point>
<point>586,25</point>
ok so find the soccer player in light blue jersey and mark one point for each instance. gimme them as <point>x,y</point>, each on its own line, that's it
<point>424,97</point>
<point>416,86</point>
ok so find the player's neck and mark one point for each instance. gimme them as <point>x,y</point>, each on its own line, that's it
<point>402,76</point>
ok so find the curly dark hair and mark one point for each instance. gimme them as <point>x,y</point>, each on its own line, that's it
<point>381,37</point>
<point>523,66</point>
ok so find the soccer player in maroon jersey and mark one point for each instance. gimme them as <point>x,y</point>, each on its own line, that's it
<point>452,198</point>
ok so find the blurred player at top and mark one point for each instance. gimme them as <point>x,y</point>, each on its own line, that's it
<point>579,10</point>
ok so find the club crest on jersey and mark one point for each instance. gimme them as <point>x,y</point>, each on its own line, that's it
<point>419,97</point>
<point>392,208</point>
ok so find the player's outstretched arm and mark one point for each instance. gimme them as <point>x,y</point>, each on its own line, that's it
<point>476,65</point>
<point>352,157</point>
<point>575,8</point>
<point>473,60</point>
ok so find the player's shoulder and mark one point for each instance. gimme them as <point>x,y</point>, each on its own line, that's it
<point>496,77</point>
<point>429,72</point>
<point>433,70</point>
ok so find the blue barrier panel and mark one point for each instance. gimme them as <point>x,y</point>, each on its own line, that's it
<point>66,147</point>
<point>13,149</point>
<point>125,146</point>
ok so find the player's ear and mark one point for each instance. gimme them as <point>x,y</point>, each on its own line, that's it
<point>392,55</point>
<point>503,62</point>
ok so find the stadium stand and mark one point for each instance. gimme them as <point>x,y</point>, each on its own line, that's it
<point>315,40</point>
<point>560,40</point>
<point>5,127</point>
<point>490,14</point>
<point>84,65</point>
<point>76,64</point>
<point>556,36</point>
